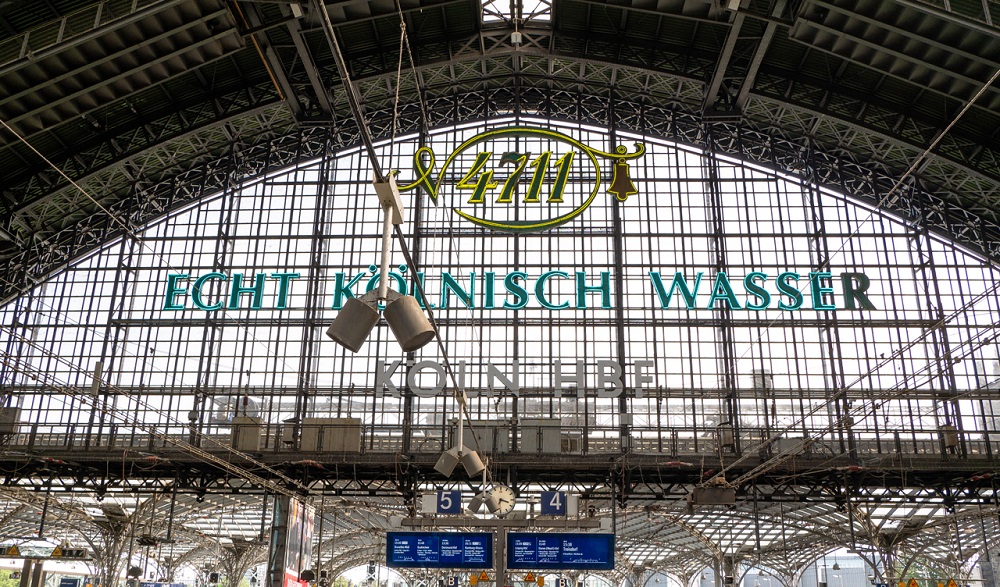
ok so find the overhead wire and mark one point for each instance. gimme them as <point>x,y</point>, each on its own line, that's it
<point>815,435</point>
<point>891,196</point>
<point>130,233</point>
<point>45,378</point>
<point>369,147</point>
<point>784,455</point>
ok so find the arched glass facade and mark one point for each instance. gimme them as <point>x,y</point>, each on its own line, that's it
<point>724,310</point>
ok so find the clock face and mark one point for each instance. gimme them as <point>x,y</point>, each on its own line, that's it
<point>502,498</point>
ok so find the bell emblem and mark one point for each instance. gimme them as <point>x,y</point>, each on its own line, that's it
<point>621,183</point>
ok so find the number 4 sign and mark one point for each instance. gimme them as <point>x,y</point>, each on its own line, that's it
<point>553,503</point>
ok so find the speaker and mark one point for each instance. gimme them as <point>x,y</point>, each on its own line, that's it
<point>473,464</point>
<point>408,322</point>
<point>447,462</point>
<point>353,324</point>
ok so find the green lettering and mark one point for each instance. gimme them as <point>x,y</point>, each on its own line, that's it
<point>818,291</point>
<point>173,291</point>
<point>238,290</point>
<point>449,286</point>
<point>678,283</point>
<point>726,293</point>
<point>520,294</point>
<point>197,291</point>
<point>756,290</point>
<point>852,293</point>
<point>342,292</point>
<point>582,288</point>
<point>540,290</point>
<point>789,290</point>
<point>283,280</point>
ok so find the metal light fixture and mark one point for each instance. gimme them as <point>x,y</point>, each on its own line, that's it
<point>469,458</point>
<point>403,314</point>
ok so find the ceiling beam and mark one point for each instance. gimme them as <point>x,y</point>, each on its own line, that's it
<point>758,55</point>
<point>251,19</point>
<point>310,66</point>
<point>722,65</point>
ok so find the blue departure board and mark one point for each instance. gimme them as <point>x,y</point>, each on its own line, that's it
<point>442,550</point>
<point>560,551</point>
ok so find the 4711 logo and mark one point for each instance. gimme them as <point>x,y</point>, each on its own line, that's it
<point>521,191</point>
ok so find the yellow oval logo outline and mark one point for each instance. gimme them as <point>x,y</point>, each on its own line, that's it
<point>424,171</point>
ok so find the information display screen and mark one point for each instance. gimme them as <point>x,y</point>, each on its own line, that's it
<point>443,550</point>
<point>532,550</point>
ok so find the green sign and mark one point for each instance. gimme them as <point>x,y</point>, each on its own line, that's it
<point>493,182</point>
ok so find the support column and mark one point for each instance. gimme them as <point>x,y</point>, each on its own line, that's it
<point>725,339</point>
<point>37,575</point>
<point>276,549</point>
<point>26,572</point>
<point>988,566</point>
<point>624,413</point>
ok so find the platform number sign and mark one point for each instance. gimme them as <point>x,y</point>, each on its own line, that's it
<point>553,503</point>
<point>452,581</point>
<point>449,502</point>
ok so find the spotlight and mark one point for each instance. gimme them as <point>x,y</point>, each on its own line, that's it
<point>447,462</point>
<point>403,314</point>
<point>473,464</point>
<point>476,503</point>
<point>355,322</point>
<point>450,458</point>
<point>408,323</point>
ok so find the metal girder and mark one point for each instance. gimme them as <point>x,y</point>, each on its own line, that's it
<point>853,137</point>
<point>750,77</point>
<point>769,135</point>
<point>272,62</point>
<point>310,66</point>
<point>59,36</point>
<point>902,54</point>
<point>959,11</point>
<point>715,84</point>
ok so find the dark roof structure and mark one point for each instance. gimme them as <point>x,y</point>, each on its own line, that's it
<point>125,108</point>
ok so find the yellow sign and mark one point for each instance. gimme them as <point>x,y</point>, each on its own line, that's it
<point>951,583</point>
<point>530,578</point>
<point>483,576</point>
<point>57,551</point>
<point>541,581</point>
<point>913,583</point>
<point>473,579</point>
<point>538,211</point>
<point>13,551</point>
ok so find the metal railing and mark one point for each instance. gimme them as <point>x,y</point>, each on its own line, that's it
<point>357,438</point>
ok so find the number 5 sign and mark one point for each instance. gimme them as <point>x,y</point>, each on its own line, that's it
<point>449,502</point>
<point>553,503</point>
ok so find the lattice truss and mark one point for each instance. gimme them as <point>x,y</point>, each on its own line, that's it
<point>782,525</point>
<point>851,146</point>
<point>246,133</point>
